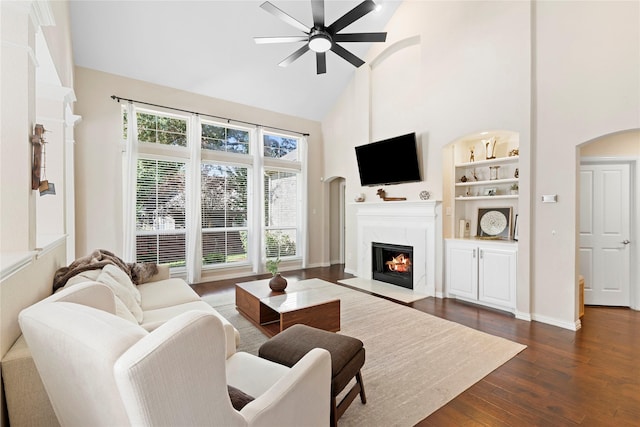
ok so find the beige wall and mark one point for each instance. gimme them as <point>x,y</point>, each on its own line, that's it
<point>535,68</point>
<point>98,154</point>
<point>335,220</point>
<point>623,144</point>
<point>446,70</point>
<point>587,86</point>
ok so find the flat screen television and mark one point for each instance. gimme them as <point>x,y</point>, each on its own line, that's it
<point>390,161</point>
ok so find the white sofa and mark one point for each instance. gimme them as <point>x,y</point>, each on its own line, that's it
<point>101,370</point>
<point>160,299</point>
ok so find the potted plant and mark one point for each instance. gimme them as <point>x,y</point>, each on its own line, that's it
<point>277,282</point>
<point>514,188</point>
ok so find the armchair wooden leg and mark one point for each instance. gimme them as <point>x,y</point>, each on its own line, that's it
<point>358,388</point>
<point>363,397</point>
<point>334,417</point>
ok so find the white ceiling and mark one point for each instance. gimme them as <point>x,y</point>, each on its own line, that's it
<point>207,47</point>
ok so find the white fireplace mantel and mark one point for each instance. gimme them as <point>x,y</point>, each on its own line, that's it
<point>410,223</point>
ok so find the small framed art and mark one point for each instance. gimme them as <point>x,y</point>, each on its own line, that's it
<point>494,223</point>
<point>490,191</point>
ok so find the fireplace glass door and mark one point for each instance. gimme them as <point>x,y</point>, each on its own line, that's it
<point>392,264</point>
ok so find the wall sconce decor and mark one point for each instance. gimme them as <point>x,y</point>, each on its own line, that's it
<point>39,164</point>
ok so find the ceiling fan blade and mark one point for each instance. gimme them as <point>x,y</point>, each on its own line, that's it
<point>346,55</point>
<point>317,8</point>
<point>361,37</point>
<point>283,39</point>
<point>284,16</point>
<point>321,62</point>
<point>353,15</point>
<point>295,55</point>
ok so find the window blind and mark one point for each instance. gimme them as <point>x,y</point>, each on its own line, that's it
<point>224,214</point>
<point>160,212</point>
<point>280,213</point>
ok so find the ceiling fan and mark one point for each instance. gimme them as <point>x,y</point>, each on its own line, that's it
<point>320,38</point>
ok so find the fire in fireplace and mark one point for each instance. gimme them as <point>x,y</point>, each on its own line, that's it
<point>400,263</point>
<point>392,264</point>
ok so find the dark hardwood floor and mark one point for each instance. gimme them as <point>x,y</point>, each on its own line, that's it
<point>589,378</point>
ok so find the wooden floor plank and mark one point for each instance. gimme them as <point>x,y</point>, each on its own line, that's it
<point>589,377</point>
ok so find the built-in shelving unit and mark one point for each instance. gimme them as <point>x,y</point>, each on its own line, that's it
<point>474,180</point>
<point>477,270</point>
<point>481,183</point>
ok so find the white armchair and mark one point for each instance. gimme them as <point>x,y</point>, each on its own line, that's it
<point>99,369</point>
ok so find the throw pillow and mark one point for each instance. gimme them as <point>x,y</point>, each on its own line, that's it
<point>85,276</point>
<point>238,397</point>
<point>123,287</point>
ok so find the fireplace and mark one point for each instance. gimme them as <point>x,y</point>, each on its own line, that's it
<point>411,223</point>
<point>392,264</point>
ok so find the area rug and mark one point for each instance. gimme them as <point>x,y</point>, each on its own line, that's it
<point>415,362</point>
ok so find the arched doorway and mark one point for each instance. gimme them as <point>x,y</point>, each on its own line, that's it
<point>336,220</point>
<point>608,218</point>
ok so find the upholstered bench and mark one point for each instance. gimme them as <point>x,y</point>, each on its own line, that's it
<point>347,358</point>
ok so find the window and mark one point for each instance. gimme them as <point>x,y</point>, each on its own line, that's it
<point>165,130</point>
<point>224,214</point>
<point>160,212</point>
<point>280,147</point>
<point>221,138</point>
<point>280,213</point>
<point>281,204</point>
<point>232,223</point>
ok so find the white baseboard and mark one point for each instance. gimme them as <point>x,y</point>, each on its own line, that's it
<point>318,265</point>
<point>572,326</point>
<point>350,271</point>
<point>522,315</point>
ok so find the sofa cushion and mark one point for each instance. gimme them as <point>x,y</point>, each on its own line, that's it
<point>121,309</point>
<point>85,276</point>
<point>154,318</point>
<point>123,288</point>
<point>252,374</point>
<point>166,293</point>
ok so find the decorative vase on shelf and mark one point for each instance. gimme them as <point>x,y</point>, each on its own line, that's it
<point>493,172</point>
<point>278,283</point>
<point>490,146</point>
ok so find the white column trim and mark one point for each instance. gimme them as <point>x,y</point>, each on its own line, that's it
<point>41,14</point>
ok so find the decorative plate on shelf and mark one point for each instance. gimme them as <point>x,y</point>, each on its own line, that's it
<point>494,222</point>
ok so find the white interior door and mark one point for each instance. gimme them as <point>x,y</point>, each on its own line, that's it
<point>605,233</point>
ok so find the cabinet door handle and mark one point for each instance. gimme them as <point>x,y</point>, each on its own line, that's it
<point>474,253</point>
<point>481,254</point>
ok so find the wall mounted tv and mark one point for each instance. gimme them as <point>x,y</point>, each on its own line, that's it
<point>390,161</point>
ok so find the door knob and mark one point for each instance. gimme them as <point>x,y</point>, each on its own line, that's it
<point>625,242</point>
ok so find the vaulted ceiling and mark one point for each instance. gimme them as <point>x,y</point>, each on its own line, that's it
<point>207,47</point>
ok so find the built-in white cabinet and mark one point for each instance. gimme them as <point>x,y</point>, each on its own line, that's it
<point>482,271</point>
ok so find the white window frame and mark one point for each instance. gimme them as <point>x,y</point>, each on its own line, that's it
<point>256,163</point>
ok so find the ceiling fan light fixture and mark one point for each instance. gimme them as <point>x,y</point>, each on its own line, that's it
<point>320,42</point>
<point>321,37</point>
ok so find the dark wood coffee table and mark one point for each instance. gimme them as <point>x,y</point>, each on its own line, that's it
<point>302,302</point>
